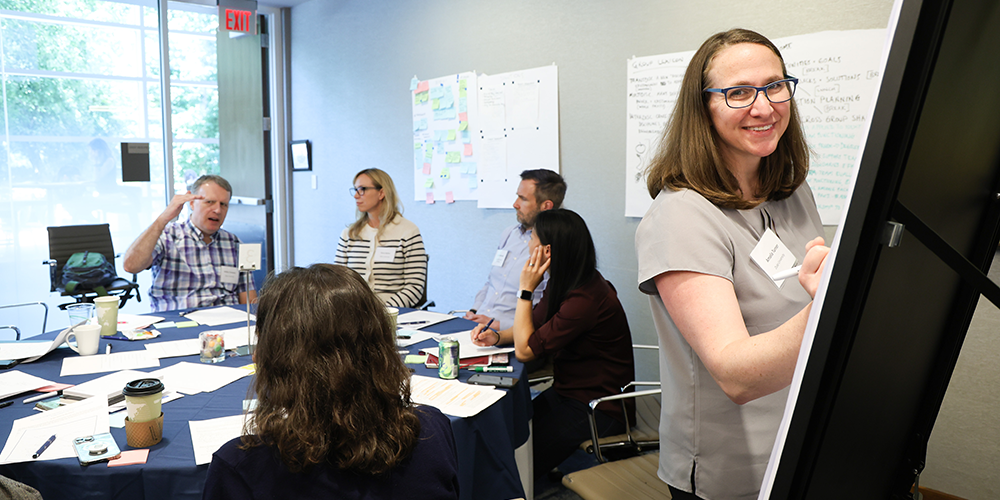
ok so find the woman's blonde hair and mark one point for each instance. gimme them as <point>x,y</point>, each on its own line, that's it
<point>689,155</point>
<point>390,204</point>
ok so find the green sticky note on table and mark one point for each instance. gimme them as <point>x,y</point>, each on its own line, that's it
<point>185,324</point>
<point>415,359</point>
<point>452,157</point>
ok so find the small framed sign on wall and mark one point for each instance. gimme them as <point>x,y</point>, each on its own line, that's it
<point>301,155</point>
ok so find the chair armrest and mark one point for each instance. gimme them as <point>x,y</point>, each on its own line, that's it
<point>457,311</point>
<point>45,316</point>
<point>592,406</point>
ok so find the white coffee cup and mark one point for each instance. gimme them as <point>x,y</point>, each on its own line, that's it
<point>107,314</point>
<point>88,338</point>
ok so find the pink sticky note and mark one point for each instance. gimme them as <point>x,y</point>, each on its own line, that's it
<point>130,457</point>
<point>430,197</point>
<point>449,197</point>
<point>423,86</point>
<point>54,387</point>
<point>468,150</point>
<point>427,168</point>
<point>463,117</point>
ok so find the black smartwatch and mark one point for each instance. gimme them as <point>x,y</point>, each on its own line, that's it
<point>525,295</point>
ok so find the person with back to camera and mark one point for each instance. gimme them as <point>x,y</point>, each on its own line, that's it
<point>334,417</point>
<point>730,171</point>
<point>582,324</point>
<point>383,247</point>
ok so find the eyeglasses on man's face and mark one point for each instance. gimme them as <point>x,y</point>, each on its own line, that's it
<point>360,190</point>
<point>741,96</point>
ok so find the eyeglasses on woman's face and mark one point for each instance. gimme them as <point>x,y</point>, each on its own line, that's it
<point>741,96</point>
<point>361,190</point>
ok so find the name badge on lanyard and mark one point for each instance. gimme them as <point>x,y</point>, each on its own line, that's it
<point>772,255</point>
<point>229,275</point>
<point>385,254</point>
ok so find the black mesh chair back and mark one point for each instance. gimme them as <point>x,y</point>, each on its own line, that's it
<point>64,241</point>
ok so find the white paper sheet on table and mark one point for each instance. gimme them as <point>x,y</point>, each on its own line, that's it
<point>15,382</point>
<point>425,318</point>
<point>23,349</point>
<point>193,378</point>
<point>416,336</point>
<point>110,385</point>
<point>128,322</point>
<point>239,336</point>
<point>453,397</point>
<point>84,418</point>
<point>466,349</point>
<point>56,342</point>
<point>174,348</point>
<point>99,363</point>
<point>219,316</point>
<point>207,436</point>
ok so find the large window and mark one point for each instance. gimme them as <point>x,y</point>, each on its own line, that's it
<point>78,78</point>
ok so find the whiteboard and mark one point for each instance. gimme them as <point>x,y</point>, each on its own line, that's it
<point>837,71</point>
<point>444,146</point>
<point>518,129</point>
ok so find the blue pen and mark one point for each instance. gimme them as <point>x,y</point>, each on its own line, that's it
<point>45,446</point>
<point>487,327</point>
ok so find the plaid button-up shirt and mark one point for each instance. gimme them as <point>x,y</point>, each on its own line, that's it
<point>187,272</point>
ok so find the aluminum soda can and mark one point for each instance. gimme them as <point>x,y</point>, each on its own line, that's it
<point>448,358</point>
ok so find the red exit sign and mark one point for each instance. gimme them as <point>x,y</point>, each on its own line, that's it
<point>239,20</point>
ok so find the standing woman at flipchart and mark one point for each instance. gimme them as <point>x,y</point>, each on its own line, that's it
<point>729,178</point>
<point>383,247</point>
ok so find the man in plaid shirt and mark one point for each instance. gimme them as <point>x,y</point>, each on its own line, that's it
<point>194,262</point>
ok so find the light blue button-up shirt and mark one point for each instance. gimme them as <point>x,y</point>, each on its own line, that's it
<point>498,298</point>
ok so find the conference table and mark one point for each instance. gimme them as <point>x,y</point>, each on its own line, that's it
<point>485,441</point>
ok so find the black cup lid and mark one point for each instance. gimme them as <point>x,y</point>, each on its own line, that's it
<point>143,387</point>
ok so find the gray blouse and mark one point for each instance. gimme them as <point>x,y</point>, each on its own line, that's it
<point>704,436</point>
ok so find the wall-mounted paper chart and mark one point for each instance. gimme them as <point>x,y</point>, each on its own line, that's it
<point>445,150</point>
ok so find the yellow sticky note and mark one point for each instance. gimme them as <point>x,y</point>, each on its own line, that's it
<point>415,359</point>
<point>445,173</point>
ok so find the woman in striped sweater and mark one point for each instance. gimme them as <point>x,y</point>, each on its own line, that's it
<point>382,246</point>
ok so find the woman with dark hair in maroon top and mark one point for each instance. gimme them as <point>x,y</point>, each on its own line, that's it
<point>582,324</point>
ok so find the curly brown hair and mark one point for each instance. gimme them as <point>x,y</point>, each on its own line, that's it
<point>689,155</point>
<point>330,384</point>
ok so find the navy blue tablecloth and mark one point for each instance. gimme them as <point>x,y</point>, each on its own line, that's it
<point>485,442</point>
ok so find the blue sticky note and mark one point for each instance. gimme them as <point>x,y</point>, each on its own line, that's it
<point>466,138</point>
<point>444,114</point>
<point>462,108</point>
<point>470,167</point>
<point>413,83</point>
<point>436,92</point>
<point>473,183</point>
<point>446,102</point>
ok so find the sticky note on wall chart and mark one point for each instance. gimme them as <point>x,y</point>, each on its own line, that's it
<point>452,157</point>
<point>468,150</point>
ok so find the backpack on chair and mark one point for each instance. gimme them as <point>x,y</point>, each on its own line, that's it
<point>88,271</point>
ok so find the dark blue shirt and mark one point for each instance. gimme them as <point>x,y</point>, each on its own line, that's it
<point>430,472</point>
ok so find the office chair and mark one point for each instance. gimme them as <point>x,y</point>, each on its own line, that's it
<point>17,331</point>
<point>64,241</point>
<point>422,304</point>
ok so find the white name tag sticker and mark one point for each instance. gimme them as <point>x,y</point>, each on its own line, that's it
<point>385,254</point>
<point>500,257</point>
<point>229,274</point>
<point>772,255</point>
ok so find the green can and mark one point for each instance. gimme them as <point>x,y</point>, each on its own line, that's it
<point>448,359</point>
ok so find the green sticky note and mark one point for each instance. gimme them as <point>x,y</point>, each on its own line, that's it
<point>445,173</point>
<point>429,183</point>
<point>185,324</point>
<point>451,135</point>
<point>435,103</point>
<point>417,145</point>
<point>463,125</point>
<point>452,157</point>
<point>415,359</point>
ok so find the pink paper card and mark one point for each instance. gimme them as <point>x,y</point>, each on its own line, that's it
<point>449,197</point>
<point>427,169</point>
<point>430,197</point>
<point>130,457</point>
<point>463,117</point>
<point>468,150</point>
<point>423,86</point>
<point>54,387</point>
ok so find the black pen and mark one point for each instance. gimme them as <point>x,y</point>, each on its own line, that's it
<point>6,403</point>
<point>45,446</point>
<point>487,327</point>
<point>413,323</point>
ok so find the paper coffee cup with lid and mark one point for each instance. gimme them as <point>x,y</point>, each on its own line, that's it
<point>143,399</point>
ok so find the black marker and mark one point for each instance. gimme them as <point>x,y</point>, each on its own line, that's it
<point>6,403</point>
